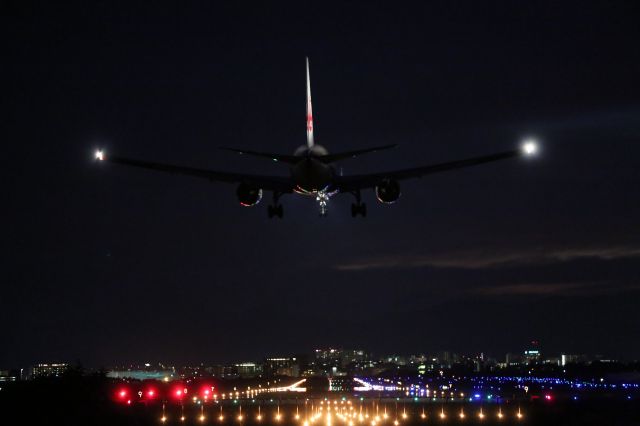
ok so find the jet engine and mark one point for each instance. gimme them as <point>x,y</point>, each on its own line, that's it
<point>248,195</point>
<point>388,191</point>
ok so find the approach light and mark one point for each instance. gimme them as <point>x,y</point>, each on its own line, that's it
<point>529,147</point>
<point>99,155</point>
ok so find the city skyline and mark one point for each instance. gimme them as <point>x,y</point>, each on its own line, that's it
<point>319,361</point>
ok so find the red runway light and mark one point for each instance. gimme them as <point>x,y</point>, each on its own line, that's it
<point>206,391</point>
<point>122,393</point>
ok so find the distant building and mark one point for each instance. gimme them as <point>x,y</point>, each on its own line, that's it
<point>533,354</point>
<point>395,359</point>
<point>6,376</point>
<point>341,384</point>
<point>353,356</point>
<point>49,370</point>
<point>223,371</point>
<point>513,359</point>
<point>248,369</point>
<point>141,374</point>
<point>282,366</point>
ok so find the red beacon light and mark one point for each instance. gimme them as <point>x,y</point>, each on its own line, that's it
<point>180,392</point>
<point>151,393</point>
<point>206,392</point>
<point>122,394</point>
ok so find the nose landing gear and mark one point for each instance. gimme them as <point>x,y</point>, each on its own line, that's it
<point>322,198</point>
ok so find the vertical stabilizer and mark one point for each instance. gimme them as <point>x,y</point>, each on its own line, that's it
<point>309,112</point>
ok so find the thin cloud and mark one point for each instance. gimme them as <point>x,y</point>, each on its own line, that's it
<point>533,289</point>
<point>486,259</point>
<point>549,289</point>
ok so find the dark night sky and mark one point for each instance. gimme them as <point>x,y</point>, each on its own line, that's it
<point>108,264</point>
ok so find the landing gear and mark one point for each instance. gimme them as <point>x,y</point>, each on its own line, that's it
<point>322,198</point>
<point>358,207</point>
<point>275,209</point>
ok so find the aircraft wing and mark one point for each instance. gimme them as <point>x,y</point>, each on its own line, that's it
<point>355,182</point>
<point>271,183</point>
<point>289,159</point>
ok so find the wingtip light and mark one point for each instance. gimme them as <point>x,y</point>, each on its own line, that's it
<point>529,147</point>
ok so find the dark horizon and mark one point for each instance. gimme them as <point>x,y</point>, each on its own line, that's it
<point>103,263</point>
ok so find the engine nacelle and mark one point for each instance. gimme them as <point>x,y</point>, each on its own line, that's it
<point>388,191</point>
<point>248,195</point>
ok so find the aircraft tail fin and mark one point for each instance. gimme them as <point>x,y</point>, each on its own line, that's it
<point>309,111</point>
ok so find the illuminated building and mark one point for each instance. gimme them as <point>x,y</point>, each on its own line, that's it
<point>6,376</point>
<point>283,366</point>
<point>248,369</point>
<point>513,359</point>
<point>223,371</point>
<point>49,370</point>
<point>341,384</point>
<point>141,374</point>
<point>533,354</point>
<point>568,359</point>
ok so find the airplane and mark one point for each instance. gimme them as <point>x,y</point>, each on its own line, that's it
<point>313,172</point>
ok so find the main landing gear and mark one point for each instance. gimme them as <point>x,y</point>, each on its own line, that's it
<point>358,208</point>
<point>275,209</point>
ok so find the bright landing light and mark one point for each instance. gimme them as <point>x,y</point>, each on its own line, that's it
<point>99,155</point>
<point>529,147</point>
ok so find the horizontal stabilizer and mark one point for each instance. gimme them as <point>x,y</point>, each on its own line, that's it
<point>281,158</point>
<point>330,158</point>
